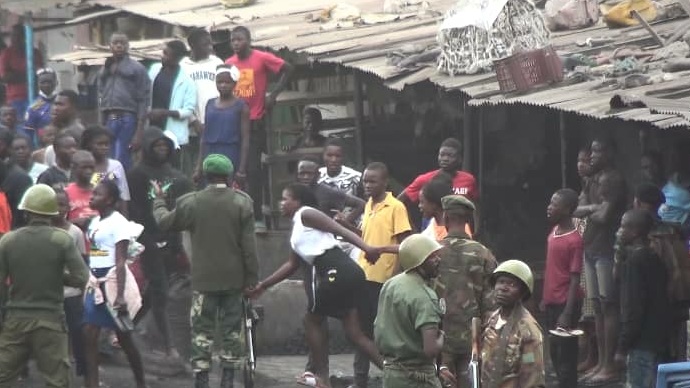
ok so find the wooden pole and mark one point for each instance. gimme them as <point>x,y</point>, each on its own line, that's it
<point>482,122</point>
<point>467,136</point>
<point>359,118</point>
<point>30,69</point>
<point>564,150</point>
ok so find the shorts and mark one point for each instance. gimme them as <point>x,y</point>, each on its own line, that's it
<point>334,285</point>
<point>599,277</point>
<point>587,303</point>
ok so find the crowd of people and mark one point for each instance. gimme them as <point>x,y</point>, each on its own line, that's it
<point>173,147</point>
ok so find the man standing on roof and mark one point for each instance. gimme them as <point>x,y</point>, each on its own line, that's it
<point>201,67</point>
<point>603,204</point>
<point>255,66</point>
<point>449,162</point>
<point>13,70</point>
<point>173,101</point>
<point>124,96</point>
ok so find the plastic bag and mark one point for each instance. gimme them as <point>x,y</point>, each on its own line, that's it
<point>619,15</point>
<point>478,13</point>
<point>571,14</point>
<point>135,248</point>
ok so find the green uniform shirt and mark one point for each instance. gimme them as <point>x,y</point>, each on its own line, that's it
<point>406,306</point>
<point>221,223</point>
<point>39,260</point>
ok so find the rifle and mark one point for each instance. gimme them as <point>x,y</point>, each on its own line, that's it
<point>473,367</point>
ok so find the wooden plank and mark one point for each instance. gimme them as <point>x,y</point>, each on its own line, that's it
<point>305,98</point>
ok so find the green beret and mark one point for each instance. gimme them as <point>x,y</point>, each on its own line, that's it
<point>218,164</point>
<point>456,203</point>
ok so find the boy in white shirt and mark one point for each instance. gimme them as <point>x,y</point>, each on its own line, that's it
<point>200,66</point>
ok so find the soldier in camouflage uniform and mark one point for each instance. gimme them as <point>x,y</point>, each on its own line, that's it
<point>464,285</point>
<point>512,351</point>
<point>221,222</point>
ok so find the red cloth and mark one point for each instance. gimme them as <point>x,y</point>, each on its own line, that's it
<point>564,256</point>
<point>254,79</point>
<point>13,59</point>
<point>463,184</point>
<point>5,214</point>
<point>79,202</point>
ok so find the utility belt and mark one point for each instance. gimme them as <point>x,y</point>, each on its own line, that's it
<point>409,366</point>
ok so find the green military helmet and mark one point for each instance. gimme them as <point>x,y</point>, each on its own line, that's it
<point>415,249</point>
<point>39,199</point>
<point>518,269</point>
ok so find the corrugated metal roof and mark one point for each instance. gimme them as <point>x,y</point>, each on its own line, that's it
<point>96,55</point>
<point>282,24</point>
<point>23,6</point>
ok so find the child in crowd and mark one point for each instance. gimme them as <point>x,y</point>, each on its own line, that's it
<point>80,190</point>
<point>98,141</point>
<point>562,294</point>
<point>74,301</point>
<point>645,308</point>
<point>227,125</point>
<point>9,119</point>
<point>46,137</point>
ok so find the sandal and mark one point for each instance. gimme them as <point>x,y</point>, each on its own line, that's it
<point>310,380</point>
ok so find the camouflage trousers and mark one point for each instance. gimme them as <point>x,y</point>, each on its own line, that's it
<point>43,340</point>
<point>223,308</point>
<point>400,376</point>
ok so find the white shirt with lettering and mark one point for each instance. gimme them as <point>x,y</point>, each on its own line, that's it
<point>203,73</point>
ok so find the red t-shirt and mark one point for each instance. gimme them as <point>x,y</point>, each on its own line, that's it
<point>79,202</point>
<point>254,79</point>
<point>564,255</point>
<point>13,59</point>
<point>463,184</point>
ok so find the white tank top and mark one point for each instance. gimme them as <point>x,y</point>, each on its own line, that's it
<point>307,242</point>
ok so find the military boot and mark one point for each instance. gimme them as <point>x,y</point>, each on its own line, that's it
<point>201,379</point>
<point>228,378</point>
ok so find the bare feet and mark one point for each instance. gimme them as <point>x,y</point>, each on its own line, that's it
<point>604,377</point>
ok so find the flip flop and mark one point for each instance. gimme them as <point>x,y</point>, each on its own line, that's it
<point>308,379</point>
<point>565,333</point>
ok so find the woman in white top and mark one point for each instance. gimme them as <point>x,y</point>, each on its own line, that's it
<point>336,279</point>
<point>109,237</point>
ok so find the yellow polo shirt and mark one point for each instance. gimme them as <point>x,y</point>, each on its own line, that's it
<point>380,224</point>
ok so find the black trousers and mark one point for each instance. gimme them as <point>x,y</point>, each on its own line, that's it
<point>366,309</point>
<point>255,172</point>
<point>564,351</point>
<point>74,314</point>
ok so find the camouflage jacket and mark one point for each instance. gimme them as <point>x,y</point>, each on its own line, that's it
<point>464,284</point>
<point>523,364</point>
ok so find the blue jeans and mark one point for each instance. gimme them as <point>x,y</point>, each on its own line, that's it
<point>123,126</point>
<point>642,366</point>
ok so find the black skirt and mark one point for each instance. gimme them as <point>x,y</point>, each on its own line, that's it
<point>334,284</point>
